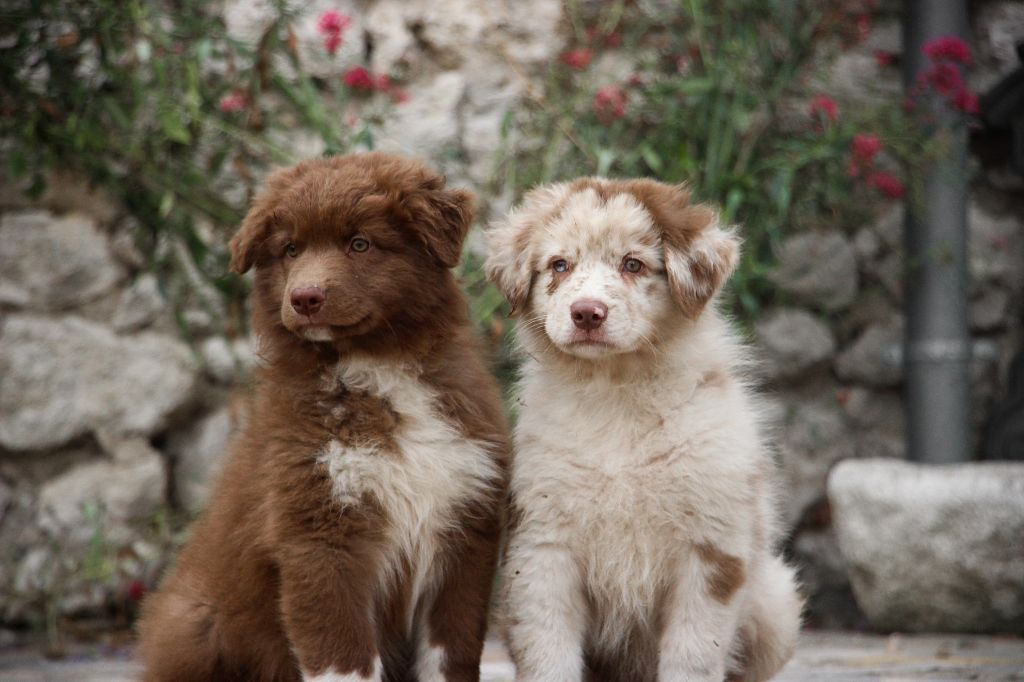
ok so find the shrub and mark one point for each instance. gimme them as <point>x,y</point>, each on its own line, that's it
<point>156,103</point>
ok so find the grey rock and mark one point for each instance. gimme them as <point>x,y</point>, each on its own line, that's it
<point>867,244</point>
<point>64,192</point>
<point>889,271</point>
<point>873,358</point>
<point>63,378</point>
<point>50,262</point>
<point>995,249</point>
<point>792,343</point>
<point>430,121</point>
<point>933,548</point>
<point>219,359</point>
<point>998,27</point>
<point>818,269</point>
<point>107,495</point>
<point>141,304</point>
<point>877,418</point>
<point>855,75</point>
<point>198,453</point>
<point>813,435</point>
<point>889,227</point>
<point>990,310</point>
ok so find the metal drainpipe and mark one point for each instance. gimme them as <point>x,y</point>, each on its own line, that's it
<point>937,346</point>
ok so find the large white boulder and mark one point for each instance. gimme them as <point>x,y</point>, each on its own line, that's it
<point>68,377</point>
<point>933,548</point>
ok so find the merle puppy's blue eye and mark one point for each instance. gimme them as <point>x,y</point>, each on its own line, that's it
<point>632,265</point>
<point>560,265</point>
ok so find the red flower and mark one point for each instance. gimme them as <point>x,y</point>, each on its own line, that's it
<point>579,58</point>
<point>332,24</point>
<point>863,26</point>
<point>610,103</point>
<point>966,101</point>
<point>823,105</point>
<point>383,82</point>
<point>865,148</point>
<point>332,43</point>
<point>233,103</point>
<point>399,95</point>
<point>612,40</point>
<point>948,47</point>
<point>888,184</point>
<point>945,78</point>
<point>358,78</point>
<point>136,590</point>
<point>884,58</point>
<point>333,21</point>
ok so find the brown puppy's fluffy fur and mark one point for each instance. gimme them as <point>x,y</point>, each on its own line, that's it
<point>313,560</point>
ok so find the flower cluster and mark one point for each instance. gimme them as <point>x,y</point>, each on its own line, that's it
<point>610,103</point>
<point>579,58</point>
<point>864,150</point>
<point>888,184</point>
<point>332,25</point>
<point>360,79</point>
<point>947,54</point>
<point>233,102</point>
<point>823,107</point>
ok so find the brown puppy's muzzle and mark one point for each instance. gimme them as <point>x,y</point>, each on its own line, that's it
<point>307,300</point>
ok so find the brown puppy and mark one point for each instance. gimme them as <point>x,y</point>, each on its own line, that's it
<point>354,532</point>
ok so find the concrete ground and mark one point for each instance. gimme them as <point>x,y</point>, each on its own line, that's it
<point>822,657</point>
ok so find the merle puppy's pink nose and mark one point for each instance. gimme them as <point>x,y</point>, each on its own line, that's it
<point>588,314</point>
<point>307,300</point>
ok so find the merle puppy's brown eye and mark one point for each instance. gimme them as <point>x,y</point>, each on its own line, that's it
<point>632,265</point>
<point>291,250</point>
<point>560,265</point>
<point>359,244</point>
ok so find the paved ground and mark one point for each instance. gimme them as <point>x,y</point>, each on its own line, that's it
<point>822,657</point>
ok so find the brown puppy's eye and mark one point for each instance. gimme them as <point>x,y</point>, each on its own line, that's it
<point>291,250</point>
<point>359,244</point>
<point>560,265</point>
<point>632,265</point>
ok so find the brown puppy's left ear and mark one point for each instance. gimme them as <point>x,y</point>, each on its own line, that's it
<point>441,219</point>
<point>699,257</point>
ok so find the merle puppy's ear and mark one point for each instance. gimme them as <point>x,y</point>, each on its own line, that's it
<point>510,248</point>
<point>699,254</point>
<point>440,218</point>
<point>249,242</point>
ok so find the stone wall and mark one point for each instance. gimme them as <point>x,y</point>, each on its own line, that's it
<point>111,424</point>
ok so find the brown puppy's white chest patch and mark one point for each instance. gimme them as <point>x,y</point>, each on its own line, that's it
<point>393,447</point>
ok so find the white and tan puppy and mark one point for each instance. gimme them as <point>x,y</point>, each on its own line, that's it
<point>642,527</point>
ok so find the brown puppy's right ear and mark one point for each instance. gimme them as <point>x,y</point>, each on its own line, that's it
<point>258,224</point>
<point>250,238</point>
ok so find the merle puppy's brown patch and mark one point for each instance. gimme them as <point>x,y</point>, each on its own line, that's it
<point>354,532</point>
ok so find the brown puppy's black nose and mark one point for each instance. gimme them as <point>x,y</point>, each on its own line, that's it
<point>307,300</point>
<point>588,314</point>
